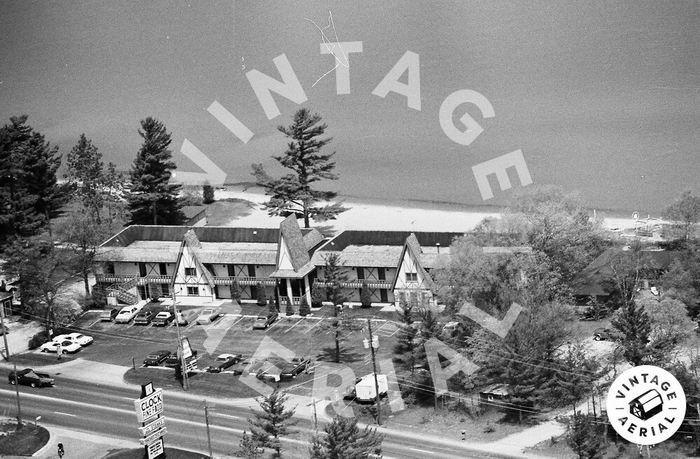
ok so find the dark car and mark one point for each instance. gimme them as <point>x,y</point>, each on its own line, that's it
<point>29,377</point>
<point>143,318</point>
<point>291,370</point>
<point>156,358</point>
<point>171,361</point>
<point>162,318</point>
<point>606,334</point>
<point>224,361</point>
<point>265,320</point>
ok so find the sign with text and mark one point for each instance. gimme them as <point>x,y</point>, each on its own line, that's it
<point>149,406</point>
<point>154,437</point>
<point>155,449</point>
<point>148,429</point>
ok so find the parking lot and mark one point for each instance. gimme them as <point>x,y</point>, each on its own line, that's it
<point>128,344</point>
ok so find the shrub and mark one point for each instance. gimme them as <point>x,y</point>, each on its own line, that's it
<point>304,308</point>
<point>38,339</point>
<point>207,193</point>
<point>365,296</point>
<point>99,295</point>
<point>289,308</point>
<point>317,297</point>
<point>262,297</point>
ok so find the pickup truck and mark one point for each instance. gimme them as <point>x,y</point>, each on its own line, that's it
<point>290,370</point>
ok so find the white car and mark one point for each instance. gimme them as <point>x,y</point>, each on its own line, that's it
<point>77,338</point>
<point>126,314</point>
<point>67,347</point>
<point>207,316</point>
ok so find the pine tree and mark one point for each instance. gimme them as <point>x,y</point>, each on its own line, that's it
<point>344,440</point>
<point>271,423</point>
<point>317,297</point>
<point>207,194</point>
<point>334,276</point>
<point>634,324</point>
<point>29,193</point>
<point>261,296</point>
<point>405,348</point>
<point>304,309</point>
<point>365,295</point>
<point>153,200</point>
<point>235,290</point>
<point>249,448</point>
<point>86,173</point>
<point>575,378</point>
<point>293,191</point>
<point>289,310</point>
<point>584,436</point>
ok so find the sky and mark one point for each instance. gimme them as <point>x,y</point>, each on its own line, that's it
<point>601,97</point>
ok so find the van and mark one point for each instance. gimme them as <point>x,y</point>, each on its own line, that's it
<point>108,315</point>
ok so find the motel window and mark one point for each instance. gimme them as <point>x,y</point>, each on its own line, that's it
<point>193,290</point>
<point>163,269</point>
<point>411,277</point>
<point>110,268</point>
<point>190,272</point>
<point>165,290</point>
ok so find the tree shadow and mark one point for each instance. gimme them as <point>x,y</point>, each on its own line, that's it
<point>347,355</point>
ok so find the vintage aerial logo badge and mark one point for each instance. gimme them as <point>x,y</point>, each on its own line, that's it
<point>646,405</point>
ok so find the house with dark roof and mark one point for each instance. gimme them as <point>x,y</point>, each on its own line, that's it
<point>144,262</point>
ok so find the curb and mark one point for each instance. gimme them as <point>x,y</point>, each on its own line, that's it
<point>49,443</point>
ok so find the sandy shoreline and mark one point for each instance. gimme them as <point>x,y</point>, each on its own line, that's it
<point>387,216</point>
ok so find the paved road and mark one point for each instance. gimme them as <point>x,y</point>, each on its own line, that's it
<point>109,411</point>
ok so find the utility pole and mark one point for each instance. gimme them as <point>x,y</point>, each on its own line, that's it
<point>206,419</point>
<point>19,409</point>
<point>183,361</point>
<point>4,331</point>
<point>374,368</point>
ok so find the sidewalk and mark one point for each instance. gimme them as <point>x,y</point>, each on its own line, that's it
<point>81,444</point>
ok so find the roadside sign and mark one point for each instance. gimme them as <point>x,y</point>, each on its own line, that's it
<point>152,427</point>
<point>155,436</point>
<point>149,406</point>
<point>155,449</point>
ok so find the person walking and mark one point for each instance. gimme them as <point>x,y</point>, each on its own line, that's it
<point>60,450</point>
<point>59,350</point>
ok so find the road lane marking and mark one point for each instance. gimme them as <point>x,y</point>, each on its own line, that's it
<point>65,414</point>
<point>290,328</point>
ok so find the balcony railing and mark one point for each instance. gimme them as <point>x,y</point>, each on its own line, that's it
<point>244,280</point>
<point>382,284</point>
<point>155,279</point>
<point>133,280</point>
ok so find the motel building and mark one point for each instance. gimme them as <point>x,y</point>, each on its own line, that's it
<point>203,263</point>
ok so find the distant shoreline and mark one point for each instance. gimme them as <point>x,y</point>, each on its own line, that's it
<point>429,203</point>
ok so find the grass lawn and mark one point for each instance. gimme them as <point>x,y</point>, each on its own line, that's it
<point>139,453</point>
<point>23,442</point>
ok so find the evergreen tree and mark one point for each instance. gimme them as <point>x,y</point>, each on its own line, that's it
<point>365,295</point>
<point>29,193</point>
<point>344,440</point>
<point>153,200</point>
<point>575,378</point>
<point>86,173</point>
<point>289,310</point>
<point>685,211</point>
<point>334,276</point>
<point>406,346</point>
<point>304,309</point>
<point>261,296</point>
<point>235,290</point>
<point>634,324</point>
<point>585,436</point>
<point>317,297</point>
<point>293,192</point>
<point>271,423</point>
<point>249,448</point>
<point>207,194</point>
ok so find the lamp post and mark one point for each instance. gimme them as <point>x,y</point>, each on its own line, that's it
<point>374,344</point>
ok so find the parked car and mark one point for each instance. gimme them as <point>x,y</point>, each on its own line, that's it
<point>78,338</point>
<point>143,318</point>
<point>126,314</point>
<point>187,316</point>
<point>606,334</point>
<point>162,318</point>
<point>30,377</point>
<point>265,320</point>
<point>290,370</point>
<point>224,361</point>
<point>109,315</point>
<point>208,316</point>
<point>67,347</point>
<point>171,360</point>
<point>156,358</point>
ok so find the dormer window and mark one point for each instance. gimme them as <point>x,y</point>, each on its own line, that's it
<point>190,271</point>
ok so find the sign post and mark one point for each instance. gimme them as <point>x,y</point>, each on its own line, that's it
<point>149,410</point>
